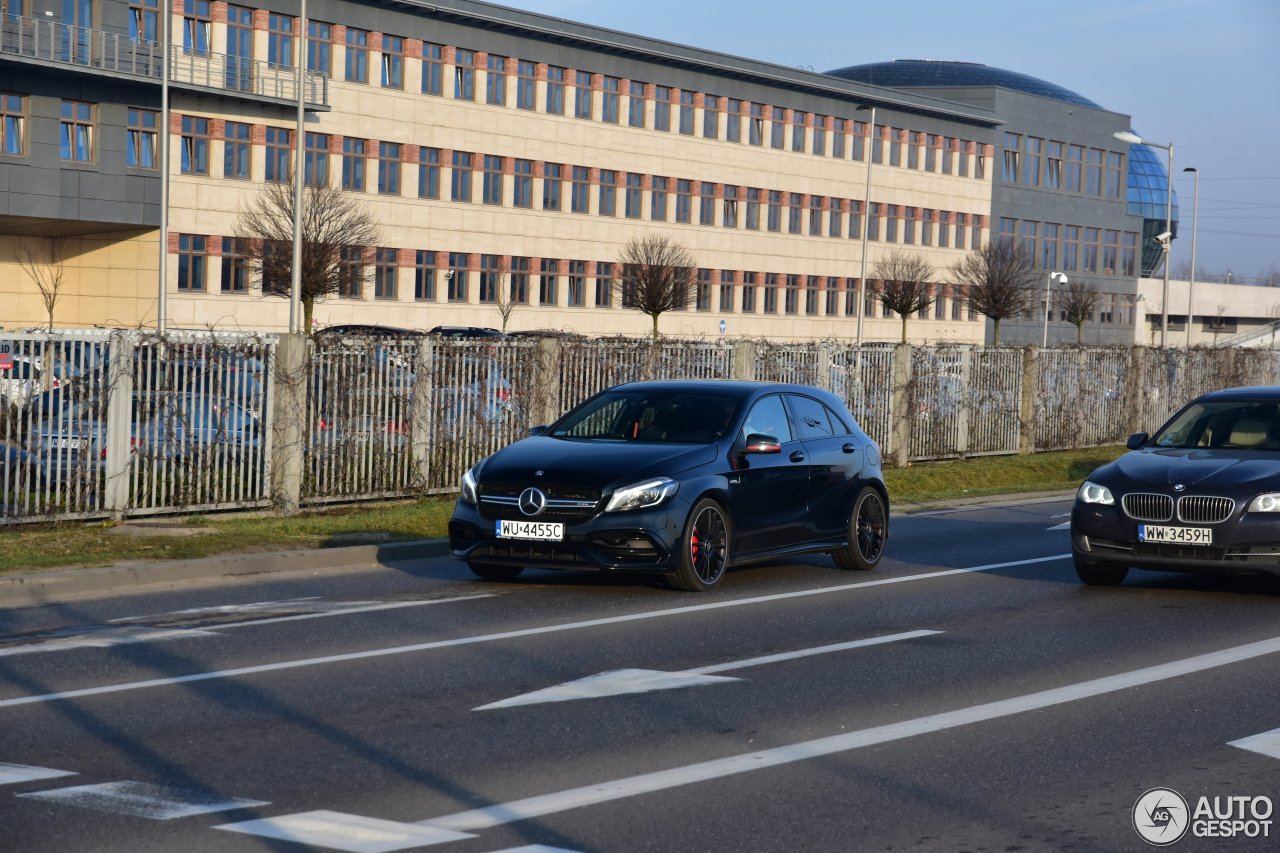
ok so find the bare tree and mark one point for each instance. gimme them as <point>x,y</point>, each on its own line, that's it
<point>903,284</point>
<point>43,260</point>
<point>1000,277</point>
<point>335,227</point>
<point>657,276</point>
<point>1078,299</point>
<point>1219,324</point>
<point>507,299</point>
<point>1270,278</point>
<point>1275,322</point>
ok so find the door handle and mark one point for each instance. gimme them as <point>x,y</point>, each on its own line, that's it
<point>797,456</point>
<point>848,448</point>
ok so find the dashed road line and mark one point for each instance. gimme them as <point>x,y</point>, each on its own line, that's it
<point>141,799</point>
<point>12,774</point>
<point>338,831</point>
<point>1267,743</point>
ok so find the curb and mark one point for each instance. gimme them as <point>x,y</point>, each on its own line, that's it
<point>51,587</point>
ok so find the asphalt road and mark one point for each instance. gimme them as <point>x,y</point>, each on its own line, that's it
<point>968,695</point>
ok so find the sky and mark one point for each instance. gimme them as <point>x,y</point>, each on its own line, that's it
<point>1203,75</point>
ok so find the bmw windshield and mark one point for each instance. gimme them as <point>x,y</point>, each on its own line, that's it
<point>1238,424</point>
<point>654,416</point>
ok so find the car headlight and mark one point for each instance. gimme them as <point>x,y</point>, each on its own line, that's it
<point>469,487</point>
<point>644,495</point>
<point>1092,493</point>
<point>1266,503</point>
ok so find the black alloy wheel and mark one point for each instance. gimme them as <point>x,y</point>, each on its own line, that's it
<point>704,548</point>
<point>868,530</point>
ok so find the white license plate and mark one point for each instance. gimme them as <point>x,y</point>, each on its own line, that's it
<point>545,531</point>
<point>73,443</point>
<point>1175,535</point>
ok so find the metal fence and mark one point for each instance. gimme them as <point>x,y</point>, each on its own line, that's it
<point>99,424</point>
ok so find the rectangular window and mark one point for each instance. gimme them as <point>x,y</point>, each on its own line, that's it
<point>820,135</point>
<point>577,284</point>
<point>552,177</point>
<point>662,108</point>
<point>1048,247</point>
<point>748,293</point>
<point>432,69</point>
<point>353,163</point>
<point>1012,157</point>
<point>939,303</point>
<point>610,102</point>
<point>658,202</point>
<point>895,147</point>
<point>489,279</point>
<point>635,104</point>
<point>608,192</point>
<point>975,231</point>
<point>944,230</point>
<point>891,223</point>
<point>909,225</point>
<point>384,274</point>
<point>235,266</point>
<point>856,209</point>
<point>144,17</point>
<point>778,128</point>
<point>707,204</point>
<point>491,187</point>
<point>960,231</point>
<point>548,276</point>
<point>1071,249</point>
<point>458,276</point>
<point>873,220</point>
<point>555,90</point>
<point>1075,168</point>
<point>1093,183</point>
<point>522,186</point>
<point>192,261</point>
<point>604,285</point>
<point>1032,165</point>
<point>913,150</point>
<point>835,218</point>
<point>947,154</point>
<point>926,227</point>
<point>730,218</point>
<point>710,117</point>
<point>320,47</point>
<point>798,137</point>
<point>495,84</point>
<point>428,172</point>
<point>357,56</point>
<point>753,209</point>
<point>142,136</point>
<point>464,75</point>
<point>811,295</point>
<point>389,168</point>
<point>351,272</point>
<point>1115,175</point>
<point>756,131</point>
<point>1129,253</point>
<point>195,143</point>
<point>794,214</point>
<point>839,128</point>
<point>315,159</point>
<point>726,291</point>
<point>859,140</point>
<point>833,296</point>
<point>13,124</point>
<point>686,112</point>
<point>1053,165</point>
<point>771,293</point>
<point>460,179</point>
<point>197,21</point>
<point>733,120</point>
<point>580,190</point>
<point>684,201</point>
<point>582,95</point>
<point>962,159</point>
<point>424,276</point>
<point>518,292</point>
<point>851,297</point>
<point>392,62</point>
<point>236,150</point>
<point>1091,244</point>
<point>279,40</point>
<point>279,163</point>
<point>702,291</point>
<point>238,70</point>
<point>774,221</point>
<point>1110,251</point>
<point>526,84</point>
<point>635,194</point>
<point>877,144</point>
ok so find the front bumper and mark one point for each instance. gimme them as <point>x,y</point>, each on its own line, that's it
<point>1244,543</point>
<point>638,541</point>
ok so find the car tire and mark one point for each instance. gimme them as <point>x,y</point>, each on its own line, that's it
<point>868,531</point>
<point>704,548</point>
<point>1095,575</point>
<point>490,572</point>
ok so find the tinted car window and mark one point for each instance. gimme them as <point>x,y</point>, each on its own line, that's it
<point>812,420</point>
<point>1238,424</point>
<point>673,416</point>
<point>768,417</point>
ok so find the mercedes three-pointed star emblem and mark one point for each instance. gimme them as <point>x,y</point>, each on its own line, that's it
<point>532,501</point>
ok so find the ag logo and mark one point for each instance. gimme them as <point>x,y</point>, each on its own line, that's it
<point>1161,816</point>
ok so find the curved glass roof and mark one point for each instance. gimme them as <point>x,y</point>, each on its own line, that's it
<point>1148,195</point>
<point>905,73</point>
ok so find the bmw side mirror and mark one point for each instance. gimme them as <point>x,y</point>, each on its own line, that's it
<point>541,429</point>
<point>1136,440</point>
<point>761,443</point>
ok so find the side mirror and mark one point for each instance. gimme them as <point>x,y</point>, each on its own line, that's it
<point>541,429</point>
<point>1136,440</point>
<point>761,443</point>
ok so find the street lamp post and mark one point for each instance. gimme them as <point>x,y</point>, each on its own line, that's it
<point>296,319</point>
<point>866,222</point>
<point>1060,278</point>
<point>1195,215</point>
<point>1165,239</point>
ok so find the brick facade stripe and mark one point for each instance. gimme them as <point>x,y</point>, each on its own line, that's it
<point>261,19</point>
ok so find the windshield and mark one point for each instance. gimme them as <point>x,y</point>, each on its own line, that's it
<point>1250,424</point>
<point>654,415</point>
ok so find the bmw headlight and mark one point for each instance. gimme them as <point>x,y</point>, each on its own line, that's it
<point>1266,503</point>
<point>644,495</point>
<point>1092,493</point>
<point>469,486</point>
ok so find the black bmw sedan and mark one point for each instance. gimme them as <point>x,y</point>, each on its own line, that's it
<point>680,478</point>
<point>1201,495</point>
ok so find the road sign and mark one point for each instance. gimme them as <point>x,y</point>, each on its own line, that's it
<point>723,326</point>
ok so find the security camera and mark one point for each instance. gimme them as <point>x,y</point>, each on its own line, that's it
<point>448,274</point>
<point>1163,237</point>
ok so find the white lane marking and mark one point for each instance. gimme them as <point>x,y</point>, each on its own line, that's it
<point>504,635</point>
<point>979,507</point>
<point>309,607</point>
<point>1267,743</point>
<point>535,848</point>
<point>662,780</point>
<point>141,799</point>
<point>12,774</point>
<point>339,831</point>
<point>619,682</point>
<point>1066,525</point>
<point>103,638</point>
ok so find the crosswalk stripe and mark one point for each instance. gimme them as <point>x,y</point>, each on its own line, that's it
<point>338,831</point>
<point>141,799</point>
<point>12,774</point>
<point>1267,743</point>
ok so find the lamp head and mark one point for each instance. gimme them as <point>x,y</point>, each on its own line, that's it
<point>1128,136</point>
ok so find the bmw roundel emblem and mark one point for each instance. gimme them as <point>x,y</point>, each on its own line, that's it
<point>1178,487</point>
<point>532,501</point>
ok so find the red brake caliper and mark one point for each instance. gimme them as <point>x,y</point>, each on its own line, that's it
<point>693,545</point>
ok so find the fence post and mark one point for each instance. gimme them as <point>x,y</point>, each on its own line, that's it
<point>289,379</point>
<point>1137,416</point>
<point>824,367</point>
<point>744,360</point>
<point>900,405</point>
<point>420,414</point>
<point>547,403</point>
<point>966,405</point>
<point>1029,393</point>
<point>115,496</point>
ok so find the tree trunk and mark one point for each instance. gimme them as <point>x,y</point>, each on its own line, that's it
<point>996,332</point>
<point>308,309</point>
<point>904,328</point>
<point>1079,334</point>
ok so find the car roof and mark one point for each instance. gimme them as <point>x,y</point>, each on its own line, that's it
<point>734,387</point>
<point>1252,392</point>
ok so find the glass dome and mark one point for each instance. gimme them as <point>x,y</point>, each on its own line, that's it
<point>1148,197</point>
